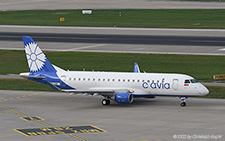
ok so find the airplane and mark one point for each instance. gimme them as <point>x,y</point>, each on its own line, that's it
<point>121,87</point>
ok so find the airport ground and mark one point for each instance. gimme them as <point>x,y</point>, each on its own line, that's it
<point>108,4</point>
<point>159,119</point>
<point>117,40</point>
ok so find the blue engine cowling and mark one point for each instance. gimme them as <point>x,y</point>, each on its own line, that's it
<point>124,98</point>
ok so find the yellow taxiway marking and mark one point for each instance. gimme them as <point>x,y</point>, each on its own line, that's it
<point>13,111</point>
<point>77,137</point>
<point>31,118</point>
<point>8,113</point>
<point>18,97</point>
<point>41,122</point>
<point>83,129</point>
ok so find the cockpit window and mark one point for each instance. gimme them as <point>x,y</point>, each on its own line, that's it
<point>187,81</point>
<point>194,81</point>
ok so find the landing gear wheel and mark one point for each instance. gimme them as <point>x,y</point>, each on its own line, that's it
<point>105,102</point>
<point>183,104</point>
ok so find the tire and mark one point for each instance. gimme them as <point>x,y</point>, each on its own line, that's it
<point>105,102</point>
<point>183,104</point>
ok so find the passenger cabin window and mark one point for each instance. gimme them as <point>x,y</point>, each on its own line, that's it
<point>187,81</point>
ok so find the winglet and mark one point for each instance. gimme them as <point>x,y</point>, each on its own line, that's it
<point>136,68</point>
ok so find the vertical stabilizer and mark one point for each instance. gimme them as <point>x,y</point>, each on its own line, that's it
<point>37,61</point>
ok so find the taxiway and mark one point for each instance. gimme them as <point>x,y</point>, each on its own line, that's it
<point>159,119</point>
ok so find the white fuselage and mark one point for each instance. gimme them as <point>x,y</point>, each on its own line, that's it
<point>141,84</point>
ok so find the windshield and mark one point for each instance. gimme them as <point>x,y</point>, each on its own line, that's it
<point>194,81</point>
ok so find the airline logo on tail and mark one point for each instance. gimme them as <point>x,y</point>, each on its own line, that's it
<point>35,57</point>
<point>37,61</point>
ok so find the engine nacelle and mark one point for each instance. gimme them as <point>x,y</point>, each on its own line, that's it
<point>124,98</point>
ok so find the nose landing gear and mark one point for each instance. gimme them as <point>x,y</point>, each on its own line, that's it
<point>182,102</point>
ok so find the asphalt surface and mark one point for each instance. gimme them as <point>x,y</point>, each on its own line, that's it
<point>159,119</point>
<point>107,4</point>
<point>117,40</point>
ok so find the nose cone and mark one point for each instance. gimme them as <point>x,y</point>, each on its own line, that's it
<point>204,90</point>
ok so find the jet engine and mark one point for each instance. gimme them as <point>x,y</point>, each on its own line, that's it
<point>124,98</point>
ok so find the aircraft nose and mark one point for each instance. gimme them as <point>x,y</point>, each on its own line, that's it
<point>204,90</point>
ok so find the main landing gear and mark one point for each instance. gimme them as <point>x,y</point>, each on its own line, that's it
<point>105,102</point>
<point>182,102</point>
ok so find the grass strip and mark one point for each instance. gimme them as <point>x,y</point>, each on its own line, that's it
<point>20,84</point>
<point>141,18</point>
<point>215,92</point>
<point>200,67</point>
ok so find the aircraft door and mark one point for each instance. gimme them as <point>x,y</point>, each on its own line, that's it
<point>175,84</point>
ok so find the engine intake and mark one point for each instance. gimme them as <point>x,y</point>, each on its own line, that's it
<point>124,98</point>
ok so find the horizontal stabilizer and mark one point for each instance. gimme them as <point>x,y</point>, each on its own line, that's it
<point>26,75</point>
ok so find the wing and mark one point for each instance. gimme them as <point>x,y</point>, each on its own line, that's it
<point>102,92</point>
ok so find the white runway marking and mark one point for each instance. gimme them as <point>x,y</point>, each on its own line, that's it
<point>112,51</point>
<point>80,48</point>
<point>100,47</point>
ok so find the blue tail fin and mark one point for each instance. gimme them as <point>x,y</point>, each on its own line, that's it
<point>37,61</point>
